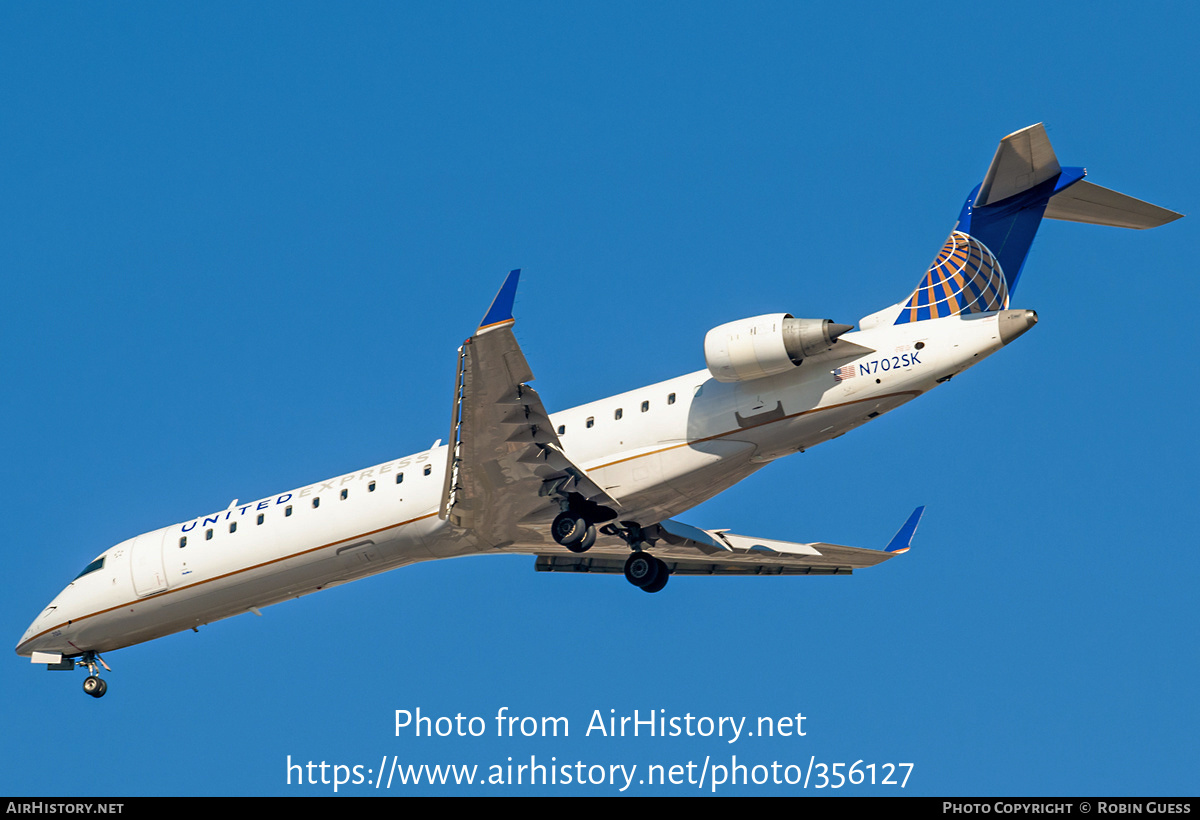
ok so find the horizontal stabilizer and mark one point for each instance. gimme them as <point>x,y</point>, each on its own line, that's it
<point>1085,202</point>
<point>1023,160</point>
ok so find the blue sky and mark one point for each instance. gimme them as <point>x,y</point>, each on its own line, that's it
<point>240,246</point>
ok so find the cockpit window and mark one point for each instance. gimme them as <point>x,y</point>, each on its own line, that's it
<point>92,567</point>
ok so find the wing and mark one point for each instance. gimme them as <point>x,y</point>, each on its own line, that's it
<point>687,550</point>
<point>506,465</point>
<point>507,472</point>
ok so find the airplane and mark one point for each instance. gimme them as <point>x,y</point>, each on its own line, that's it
<point>597,488</point>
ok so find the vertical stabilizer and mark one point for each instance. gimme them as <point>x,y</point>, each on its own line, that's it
<point>977,269</point>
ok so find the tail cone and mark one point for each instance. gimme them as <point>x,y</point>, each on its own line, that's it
<point>1015,322</point>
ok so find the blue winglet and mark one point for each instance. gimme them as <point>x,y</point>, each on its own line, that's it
<point>902,540</point>
<point>502,306</point>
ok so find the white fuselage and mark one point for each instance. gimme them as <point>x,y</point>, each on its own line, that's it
<point>659,450</point>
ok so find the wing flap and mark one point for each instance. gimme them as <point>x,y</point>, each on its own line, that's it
<point>608,565</point>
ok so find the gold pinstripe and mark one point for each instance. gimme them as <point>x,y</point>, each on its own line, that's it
<point>74,621</point>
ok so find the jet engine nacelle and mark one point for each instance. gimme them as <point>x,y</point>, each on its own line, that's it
<point>766,345</point>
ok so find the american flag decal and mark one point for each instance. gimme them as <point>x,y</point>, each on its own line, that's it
<point>843,373</point>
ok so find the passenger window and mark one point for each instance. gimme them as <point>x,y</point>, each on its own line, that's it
<point>562,428</point>
<point>645,406</point>
<point>208,534</point>
<point>345,494</point>
<point>371,487</point>
<point>428,469</point>
<point>287,510</point>
<point>671,398</point>
<point>183,542</point>
<point>591,421</point>
<point>233,526</point>
<point>316,502</point>
<point>261,518</point>
<point>399,477</point>
<point>618,414</point>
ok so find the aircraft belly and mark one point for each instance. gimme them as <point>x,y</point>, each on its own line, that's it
<point>696,472</point>
<point>204,601</point>
<point>688,475</point>
<point>808,429</point>
<point>628,477</point>
<point>445,540</point>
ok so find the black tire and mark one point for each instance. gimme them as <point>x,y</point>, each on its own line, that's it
<point>589,538</point>
<point>568,529</point>
<point>641,569</point>
<point>94,686</point>
<point>664,575</point>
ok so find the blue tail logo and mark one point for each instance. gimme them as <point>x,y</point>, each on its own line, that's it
<point>965,278</point>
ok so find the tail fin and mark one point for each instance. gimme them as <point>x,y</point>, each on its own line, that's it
<point>978,267</point>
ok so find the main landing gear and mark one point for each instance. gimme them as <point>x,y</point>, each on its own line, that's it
<point>647,573</point>
<point>575,529</point>
<point>94,685</point>
<point>643,570</point>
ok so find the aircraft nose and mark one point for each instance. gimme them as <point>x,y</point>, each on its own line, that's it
<point>24,646</point>
<point>1013,323</point>
<point>33,639</point>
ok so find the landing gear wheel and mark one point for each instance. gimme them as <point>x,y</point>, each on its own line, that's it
<point>664,575</point>
<point>569,529</point>
<point>586,544</point>
<point>95,686</point>
<point>642,569</point>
